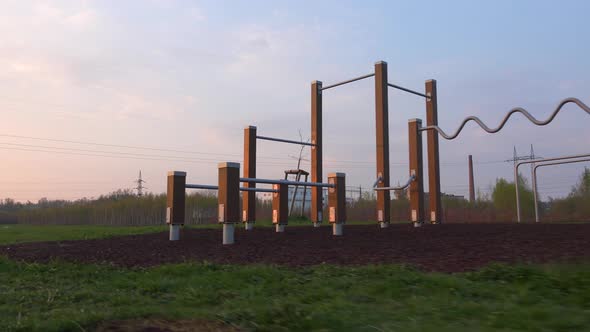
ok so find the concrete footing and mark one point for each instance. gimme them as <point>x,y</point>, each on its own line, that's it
<point>418,224</point>
<point>316,224</point>
<point>228,233</point>
<point>383,224</point>
<point>248,226</point>
<point>279,228</point>
<point>337,229</point>
<point>174,232</point>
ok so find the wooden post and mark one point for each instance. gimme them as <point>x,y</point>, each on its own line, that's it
<point>249,197</point>
<point>416,170</point>
<point>382,140</point>
<point>434,200</point>
<point>337,202</point>
<point>280,206</point>
<point>228,198</point>
<point>175,198</point>
<point>316,151</point>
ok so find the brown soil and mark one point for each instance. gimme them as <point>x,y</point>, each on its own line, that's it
<point>446,248</point>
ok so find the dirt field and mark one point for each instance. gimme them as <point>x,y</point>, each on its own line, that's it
<point>446,248</point>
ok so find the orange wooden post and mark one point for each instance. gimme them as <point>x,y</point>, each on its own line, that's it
<point>175,202</point>
<point>228,198</point>
<point>337,202</point>
<point>316,152</point>
<point>280,206</point>
<point>416,170</point>
<point>382,140</point>
<point>434,200</point>
<point>249,197</point>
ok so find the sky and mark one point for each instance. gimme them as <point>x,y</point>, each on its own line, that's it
<point>95,91</point>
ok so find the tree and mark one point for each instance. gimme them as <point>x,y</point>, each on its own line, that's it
<point>503,197</point>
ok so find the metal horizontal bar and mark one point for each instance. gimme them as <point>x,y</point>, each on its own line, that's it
<point>563,162</point>
<point>204,186</point>
<point>349,81</point>
<point>283,140</point>
<point>291,183</point>
<point>412,178</point>
<point>200,186</point>
<point>535,161</point>
<point>261,190</point>
<point>408,90</point>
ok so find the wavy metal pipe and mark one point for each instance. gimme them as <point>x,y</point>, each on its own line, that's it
<point>514,110</point>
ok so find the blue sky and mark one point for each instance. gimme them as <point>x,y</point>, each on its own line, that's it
<point>190,75</point>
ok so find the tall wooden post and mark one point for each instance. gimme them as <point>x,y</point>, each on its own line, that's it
<point>249,197</point>
<point>228,199</point>
<point>316,152</point>
<point>471,182</point>
<point>382,140</point>
<point>416,170</point>
<point>434,200</point>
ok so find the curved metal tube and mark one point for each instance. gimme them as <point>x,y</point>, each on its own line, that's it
<point>512,111</point>
<point>410,180</point>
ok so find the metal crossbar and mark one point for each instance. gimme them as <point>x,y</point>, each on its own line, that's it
<point>512,111</point>
<point>410,180</point>
<point>348,81</point>
<point>292,183</point>
<point>204,186</point>
<point>284,140</point>
<point>408,90</point>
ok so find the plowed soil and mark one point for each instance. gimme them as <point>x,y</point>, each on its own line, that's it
<point>445,248</point>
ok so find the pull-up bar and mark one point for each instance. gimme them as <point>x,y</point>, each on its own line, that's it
<point>209,187</point>
<point>408,90</point>
<point>348,81</point>
<point>283,140</point>
<point>293,183</point>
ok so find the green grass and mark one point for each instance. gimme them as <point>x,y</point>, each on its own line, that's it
<point>68,297</point>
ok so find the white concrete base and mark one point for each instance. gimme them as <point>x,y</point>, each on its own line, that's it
<point>248,226</point>
<point>337,229</point>
<point>418,224</point>
<point>279,228</point>
<point>228,233</point>
<point>174,232</point>
<point>383,224</point>
<point>316,224</point>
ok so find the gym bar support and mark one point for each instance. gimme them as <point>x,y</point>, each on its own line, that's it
<point>316,152</point>
<point>175,203</point>
<point>382,142</point>
<point>416,170</point>
<point>434,200</point>
<point>249,197</point>
<point>337,202</point>
<point>280,206</point>
<point>228,199</point>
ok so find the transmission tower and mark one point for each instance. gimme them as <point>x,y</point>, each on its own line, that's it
<point>139,182</point>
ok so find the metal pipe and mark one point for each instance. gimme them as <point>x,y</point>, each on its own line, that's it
<point>348,81</point>
<point>200,186</point>
<point>204,186</point>
<point>292,183</point>
<point>412,178</point>
<point>532,162</point>
<point>535,194</point>
<point>512,111</point>
<point>408,90</point>
<point>283,140</point>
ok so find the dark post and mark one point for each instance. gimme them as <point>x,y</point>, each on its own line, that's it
<point>382,121</point>
<point>433,155</point>
<point>471,183</point>
<point>416,186</point>
<point>249,197</point>
<point>175,202</point>
<point>228,198</point>
<point>316,151</point>
<point>280,206</point>
<point>337,202</point>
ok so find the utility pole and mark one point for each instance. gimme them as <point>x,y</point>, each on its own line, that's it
<point>471,182</point>
<point>140,186</point>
